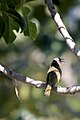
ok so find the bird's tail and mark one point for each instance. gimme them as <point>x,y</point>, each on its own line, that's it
<point>48,90</point>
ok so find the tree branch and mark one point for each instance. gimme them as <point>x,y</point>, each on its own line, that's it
<point>61,27</point>
<point>39,84</point>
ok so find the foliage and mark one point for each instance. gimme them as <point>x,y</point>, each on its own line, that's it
<point>32,59</point>
<point>11,19</point>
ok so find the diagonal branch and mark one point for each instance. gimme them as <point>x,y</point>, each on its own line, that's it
<point>61,27</point>
<point>39,84</point>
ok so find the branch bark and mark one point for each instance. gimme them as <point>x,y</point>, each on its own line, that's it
<point>61,27</point>
<point>39,84</point>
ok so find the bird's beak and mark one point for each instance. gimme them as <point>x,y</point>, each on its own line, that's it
<point>62,60</point>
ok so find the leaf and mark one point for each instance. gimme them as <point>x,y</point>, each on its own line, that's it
<point>16,17</point>
<point>10,25</point>
<point>2,26</point>
<point>25,11</point>
<point>32,30</point>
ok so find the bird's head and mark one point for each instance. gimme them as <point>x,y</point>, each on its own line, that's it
<point>57,61</point>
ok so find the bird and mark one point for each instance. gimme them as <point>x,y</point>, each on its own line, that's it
<point>53,75</point>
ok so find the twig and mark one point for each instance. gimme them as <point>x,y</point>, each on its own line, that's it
<point>39,84</point>
<point>61,27</point>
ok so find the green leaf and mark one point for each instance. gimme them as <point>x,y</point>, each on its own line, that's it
<point>25,11</point>
<point>2,26</point>
<point>16,17</point>
<point>32,30</point>
<point>10,25</point>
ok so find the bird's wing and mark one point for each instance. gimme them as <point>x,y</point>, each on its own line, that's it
<point>53,75</point>
<point>51,78</point>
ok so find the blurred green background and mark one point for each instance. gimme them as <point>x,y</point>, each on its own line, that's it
<point>32,59</point>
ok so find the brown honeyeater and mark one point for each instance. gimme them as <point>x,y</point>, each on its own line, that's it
<point>53,75</point>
